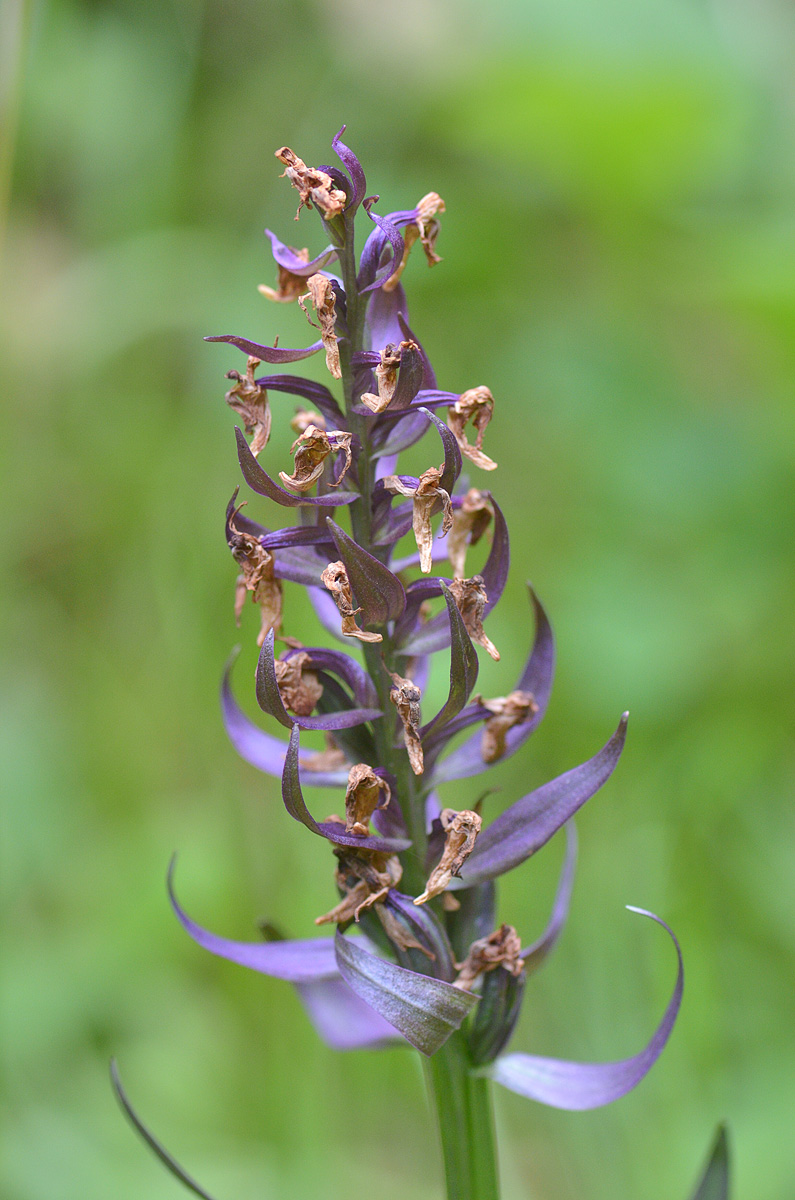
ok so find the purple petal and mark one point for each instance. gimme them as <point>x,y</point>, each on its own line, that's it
<point>428,930</point>
<point>269,354</point>
<point>270,700</point>
<point>331,830</point>
<point>529,823</point>
<point>375,588</point>
<point>308,389</point>
<point>714,1183</point>
<point>261,483</point>
<point>295,536</point>
<point>262,750</point>
<point>409,381</point>
<point>349,671</point>
<point>435,634</point>
<point>425,1010</point>
<point>463,666</point>
<point>536,953</point>
<point>354,169</point>
<point>296,962</point>
<point>393,437</point>
<point>578,1086</point>
<point>429,377</point>
<point>285,257</point>
<point>467,759</point>
<point>343,1020</point>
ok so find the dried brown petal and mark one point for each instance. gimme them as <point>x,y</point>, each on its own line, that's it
<point>311,449</point>
<point>386,376</point>
<point>314,186</point>
<point>500,949</point>
<point>290,286</point>
<point>299,686</point>
<point>363,797</point>
<point>461,828</point>
<point>477,406</point>
<point>323,302</point>
<point>406,696</point>
<point>399,934</point>
<point>470,597</point>
<point>250,401</point>
<point>470,522</point>
<point>428,496</point>
<point>331,758</point>
<point>364,877</point>
<point>256,576</point>
<point>304,417</point>
<point>508,711</point>
<point>335,578</point>
<point>426,228</point>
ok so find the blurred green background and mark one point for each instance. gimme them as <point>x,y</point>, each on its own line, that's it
<point>619,267</point>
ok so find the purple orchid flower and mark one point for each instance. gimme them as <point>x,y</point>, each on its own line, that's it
<point>431,967</point>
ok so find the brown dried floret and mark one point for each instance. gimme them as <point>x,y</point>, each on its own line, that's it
<point>507,711</point>
<point>406,697</point>
<point>330,758</point>
<point>386,377</point>
<point>299,686</point>
<point>364,877</point>
<point>323,301</point>
<point>470,522</point>
<point>290,286</point>
<point>477,406</point>
<point>363,797</point>
<point>311,449</point>
<point>426,228</point>
<point>471,598</point>
<point>500,949</point>
<point>314,186</point>
<point>461,829</point>
<point>256,576</point>
<point>250,401</point>
<point>428,497</point>
<point>304,417</point>
<point>335,578</point>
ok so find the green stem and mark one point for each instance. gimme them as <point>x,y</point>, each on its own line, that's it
<point>466,1123</point>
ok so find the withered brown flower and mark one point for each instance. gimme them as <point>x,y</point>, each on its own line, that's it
<point>250,401</point>
<point>314,186</point>
<point>335,578</point>
<point>471,598</point>
<point>477,406</point>
<point>461,830</point>
<point>428,497</point>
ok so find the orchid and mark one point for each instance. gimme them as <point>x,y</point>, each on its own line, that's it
<point>418,957</point>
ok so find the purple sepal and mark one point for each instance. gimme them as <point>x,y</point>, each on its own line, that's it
<point>270,701</point>
<point>262,750</point>
<point>435,634</point>
<point>260,482</point>
<point>295,962</point>
<point>382,320</point>
<point>529,823</point>
<point>395,436</point>
<point>375,588</point>
<point>285,257</point>
<point>429,376</point>
<point>577,1086</point>
<point>425,1010</point>
<point>308,389</point>
<point>343,1020</point>
<point>452,453</point>
<point>347,668</point>
<point>269,354</point>
<point>354,168</point>
<point>392,235</point>
<point>536,953</point>
<point>536,678</point>
<point>409,381</point>
<point>331,830</point>
<point>463,666</point>
<point>295,536</point>
<point>714,1183</point>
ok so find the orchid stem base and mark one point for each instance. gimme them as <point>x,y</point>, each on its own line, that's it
<point>465,1113</point>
